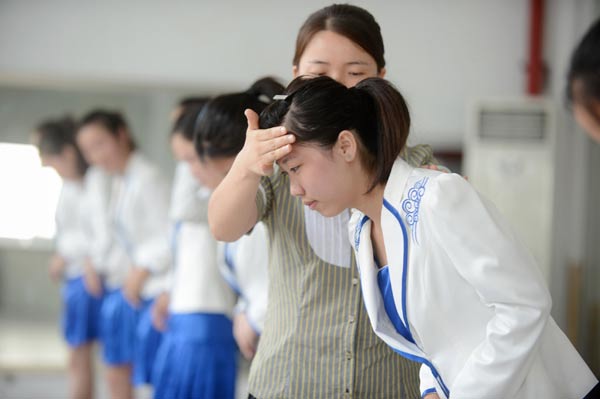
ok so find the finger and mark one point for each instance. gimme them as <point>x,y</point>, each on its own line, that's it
<point>247,352</point>
<point>252,118</point>
<point>278,142</point>
<point>273,156</point>
<point>270,134</point>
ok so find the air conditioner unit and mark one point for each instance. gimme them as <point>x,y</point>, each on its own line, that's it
<point>509,157</point>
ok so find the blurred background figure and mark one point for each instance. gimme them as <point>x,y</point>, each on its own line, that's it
<point>55,140</point>
<point>583,88</point>
<point>138,260</point>
<point>219,135</point>
<point>198,355</point>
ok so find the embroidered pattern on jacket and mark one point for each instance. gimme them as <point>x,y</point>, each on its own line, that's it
<point>410,206</point>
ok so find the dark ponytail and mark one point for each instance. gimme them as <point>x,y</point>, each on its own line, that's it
<point>393,124</point>
<point>221,127</point>
<point>53,136</point>
<point>317,110</point>
<point>112,121</point>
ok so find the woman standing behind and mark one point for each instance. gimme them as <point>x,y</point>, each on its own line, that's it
<point>317,341</point>
<point>55,140</point>
<point>135,267</point>
<point>197,357</point>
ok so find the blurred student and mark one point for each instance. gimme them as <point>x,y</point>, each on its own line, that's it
<point>220,133</point>
<point>135,266</point>
<point>55,140</point>
<point>197,357</point>
<point>583,88</point>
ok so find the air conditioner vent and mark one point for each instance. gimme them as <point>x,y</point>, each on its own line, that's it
<point>513,124</point>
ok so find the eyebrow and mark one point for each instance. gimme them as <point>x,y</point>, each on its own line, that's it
<point>319,62</point>
<point>283,161</point>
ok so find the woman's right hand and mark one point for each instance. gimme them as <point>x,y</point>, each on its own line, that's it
<point>57,267</point>
<point>160,311</point>
<point>263,146</point>
<point>91,280</point>
<point>245,336</point>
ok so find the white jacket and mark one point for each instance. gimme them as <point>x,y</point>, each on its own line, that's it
<point>139,212</point>
<point>474,302</point>
<point>244,264</point>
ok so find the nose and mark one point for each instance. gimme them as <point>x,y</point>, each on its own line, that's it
<point>295,189</point>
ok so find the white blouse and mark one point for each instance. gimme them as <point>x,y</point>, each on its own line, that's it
<point>139,218</point>
<point>73,229</point>
<point>244,264</point>
<point>196,285</point>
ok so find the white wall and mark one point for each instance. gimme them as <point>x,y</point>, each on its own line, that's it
<point>440,53</point>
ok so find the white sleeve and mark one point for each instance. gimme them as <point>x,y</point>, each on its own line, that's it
<point>187,203</point>
<point>98,191</point>
<point>72,242</point>
<point>73,245</point>
<point>486,254</point>
<point>153,251</point>
<point>252,260</point>
<point>427,381</point>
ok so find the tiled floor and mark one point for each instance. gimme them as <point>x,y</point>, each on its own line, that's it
<point>33,358</point>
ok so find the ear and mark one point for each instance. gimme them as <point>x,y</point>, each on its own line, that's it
<point>295,71</point>
<point>382,73</point>
<point>346,146</point>
<point>123,137</point>
<point>68,152</point>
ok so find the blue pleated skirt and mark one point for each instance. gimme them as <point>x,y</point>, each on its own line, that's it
<point>118,328</point>
<point>81,313</point>
<point>147,341</point>
<point>197,358</point>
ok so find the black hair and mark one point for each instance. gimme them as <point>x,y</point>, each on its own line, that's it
<point>583,78</point>
<point>317,110</point>
<point>221,127</point>
<point>354,23</point>
<point>112,121</point>
<point>192,102</point>
<point>54,135</point>
<point>186,122</point>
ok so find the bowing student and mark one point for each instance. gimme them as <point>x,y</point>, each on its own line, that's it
<point>198,356</point>
<point>55,140</point>
<point>136,264</point>
<point>220,133</point>
<point>444,280</point>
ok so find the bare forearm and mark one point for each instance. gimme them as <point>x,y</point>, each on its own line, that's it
<point>232,209</point>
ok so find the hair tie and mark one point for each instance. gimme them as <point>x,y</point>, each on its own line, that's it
<point>263,98</point>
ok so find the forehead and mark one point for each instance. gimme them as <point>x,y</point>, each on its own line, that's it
<point>93,131</point>
<point>303,152</point>
<point>330,47</point>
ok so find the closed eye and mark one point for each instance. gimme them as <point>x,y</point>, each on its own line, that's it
<point>295,169</point>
